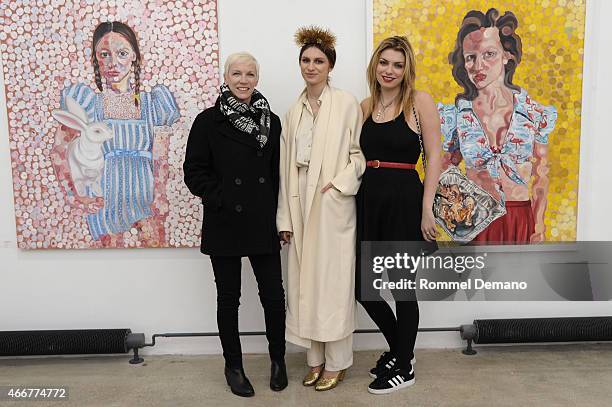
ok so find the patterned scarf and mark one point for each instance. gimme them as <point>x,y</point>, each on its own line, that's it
<point>253,119</point>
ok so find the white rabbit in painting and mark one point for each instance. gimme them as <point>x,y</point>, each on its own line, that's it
<point>85,156</point>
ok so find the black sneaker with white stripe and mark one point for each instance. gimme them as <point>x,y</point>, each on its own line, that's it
<point>386,362</point>
<point>395,380</point>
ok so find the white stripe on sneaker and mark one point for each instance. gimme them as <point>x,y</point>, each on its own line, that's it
<point>392,388</point>
<point>390,363</point>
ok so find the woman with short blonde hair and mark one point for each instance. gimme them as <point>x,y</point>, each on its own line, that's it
<point>231,163</point>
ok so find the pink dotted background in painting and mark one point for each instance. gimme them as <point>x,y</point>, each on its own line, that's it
<point>46,46</point>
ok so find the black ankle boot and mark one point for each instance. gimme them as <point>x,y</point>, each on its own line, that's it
<point>278,375</point>
<point>238,382</point>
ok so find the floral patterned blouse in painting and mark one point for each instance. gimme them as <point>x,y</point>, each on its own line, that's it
<point>530,123</point>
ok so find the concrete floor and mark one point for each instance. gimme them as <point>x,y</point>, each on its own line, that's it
<point>560,375</point>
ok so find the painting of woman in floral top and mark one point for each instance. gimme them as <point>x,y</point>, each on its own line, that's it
<point>103,153</point>
<point>496,128</point>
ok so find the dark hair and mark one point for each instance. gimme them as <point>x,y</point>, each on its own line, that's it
<point>330,53</point>
<point>510,41</point>
<point>120,28</point>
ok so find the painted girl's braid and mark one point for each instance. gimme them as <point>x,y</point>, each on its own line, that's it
<point>136,65</point>
<point>97,74</point>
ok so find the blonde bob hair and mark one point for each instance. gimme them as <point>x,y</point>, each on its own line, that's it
<point>406,95</point>
<point>240,57</point>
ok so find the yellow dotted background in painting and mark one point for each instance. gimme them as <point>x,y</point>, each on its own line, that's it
<point>552,34</point>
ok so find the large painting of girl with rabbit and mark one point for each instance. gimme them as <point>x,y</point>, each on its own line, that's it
<point>97,162</point>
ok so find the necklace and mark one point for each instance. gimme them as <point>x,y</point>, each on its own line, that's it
<point>315,104</point>
<point>313,99</point>
<point>383,108</point>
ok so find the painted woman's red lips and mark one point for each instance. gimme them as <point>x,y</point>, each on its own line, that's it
<point>479,77</point>
<point>112,73</point>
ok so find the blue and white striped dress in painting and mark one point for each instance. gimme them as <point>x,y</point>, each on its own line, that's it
<point>127,181</point>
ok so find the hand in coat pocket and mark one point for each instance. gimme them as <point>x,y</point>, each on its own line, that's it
<point>285,237</point>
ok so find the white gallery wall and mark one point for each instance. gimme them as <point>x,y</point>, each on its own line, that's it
<point>172,290</point>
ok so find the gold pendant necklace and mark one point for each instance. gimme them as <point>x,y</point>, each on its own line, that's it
<point>383,108</point>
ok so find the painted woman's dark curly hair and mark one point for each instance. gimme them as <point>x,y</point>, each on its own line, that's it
<point>510,41</point>
<point>118,27</point>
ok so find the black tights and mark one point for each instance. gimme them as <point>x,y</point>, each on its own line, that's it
<point>399,330</point>
<point>267,269</point>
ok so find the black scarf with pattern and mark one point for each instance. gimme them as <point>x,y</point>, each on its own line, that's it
<point>253,119</point>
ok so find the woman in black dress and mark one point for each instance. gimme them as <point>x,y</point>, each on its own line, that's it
<point>232,163</point>
<point>392,203</point>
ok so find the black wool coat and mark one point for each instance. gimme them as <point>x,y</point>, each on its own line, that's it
<point>238,183</point>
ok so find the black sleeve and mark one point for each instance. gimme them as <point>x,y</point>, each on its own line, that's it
<point>200,176</point>
<point>276,157</point>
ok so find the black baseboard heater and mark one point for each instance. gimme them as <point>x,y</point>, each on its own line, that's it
<point>536,330</point>
<point>482,331</point>
<point>71,342</point>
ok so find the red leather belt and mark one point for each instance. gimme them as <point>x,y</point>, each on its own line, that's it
<point>387,164</point>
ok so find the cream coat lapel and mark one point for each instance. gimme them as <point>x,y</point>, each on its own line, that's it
<point>317,154</point>
<point>292,175</point>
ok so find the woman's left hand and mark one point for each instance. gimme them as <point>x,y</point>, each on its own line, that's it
<point>428,226</point>
<point>327,187</point>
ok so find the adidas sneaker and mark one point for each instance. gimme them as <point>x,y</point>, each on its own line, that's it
<point>396,379</point>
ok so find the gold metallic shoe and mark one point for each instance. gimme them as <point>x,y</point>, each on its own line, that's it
<point>328,383</point>
<point>311,377</point>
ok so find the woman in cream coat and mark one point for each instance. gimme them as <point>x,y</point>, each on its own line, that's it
<point>320,171</point>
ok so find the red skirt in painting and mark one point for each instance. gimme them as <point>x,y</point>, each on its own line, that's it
<point>516,226</point>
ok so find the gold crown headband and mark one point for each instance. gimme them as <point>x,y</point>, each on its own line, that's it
<point>315,35</point>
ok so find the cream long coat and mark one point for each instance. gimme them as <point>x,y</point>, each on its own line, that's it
<point>321,258</point>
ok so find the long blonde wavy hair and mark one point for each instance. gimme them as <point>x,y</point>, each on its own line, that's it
<point>406,95</point>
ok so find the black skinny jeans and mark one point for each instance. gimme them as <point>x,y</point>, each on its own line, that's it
<point>267,269</point>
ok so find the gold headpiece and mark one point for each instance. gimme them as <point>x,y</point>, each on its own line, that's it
<point>315,35</point>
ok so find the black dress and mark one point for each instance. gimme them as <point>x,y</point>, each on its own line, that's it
<point>390,201</point>
<point>389,206</point>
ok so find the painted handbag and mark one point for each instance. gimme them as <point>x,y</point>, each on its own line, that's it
<point>461,207</point>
